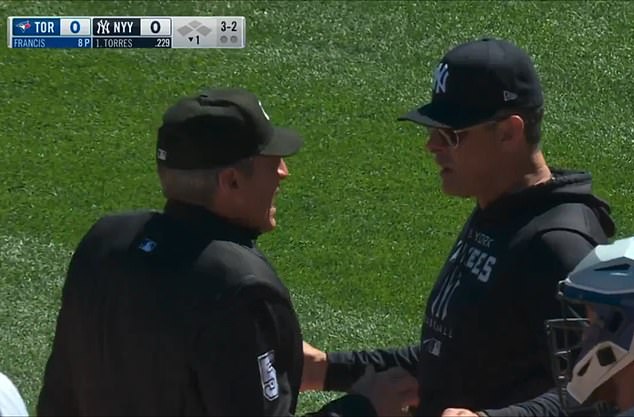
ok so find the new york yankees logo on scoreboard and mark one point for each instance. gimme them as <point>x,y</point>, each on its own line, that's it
<point>103,27</point>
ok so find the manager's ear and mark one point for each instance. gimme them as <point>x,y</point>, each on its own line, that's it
<point>512,130</point>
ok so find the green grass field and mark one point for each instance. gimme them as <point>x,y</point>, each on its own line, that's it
<point>363,228</point>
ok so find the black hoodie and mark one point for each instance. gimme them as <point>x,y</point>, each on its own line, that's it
<point>483,342</point>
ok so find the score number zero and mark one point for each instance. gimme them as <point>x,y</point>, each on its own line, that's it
<point>76,27</point>
<point>157,27</point>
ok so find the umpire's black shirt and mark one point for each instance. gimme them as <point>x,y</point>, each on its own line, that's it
<point>175,313</point>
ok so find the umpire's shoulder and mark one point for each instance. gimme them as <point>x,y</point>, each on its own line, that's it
<point>237,268</point>
<point>231,258</point>
<point>117,228</point>
<point>113,221</point>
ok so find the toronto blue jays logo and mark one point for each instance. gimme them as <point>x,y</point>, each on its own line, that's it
<point>24,26</point>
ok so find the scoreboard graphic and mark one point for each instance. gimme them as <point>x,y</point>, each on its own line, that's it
<point>127,32</point>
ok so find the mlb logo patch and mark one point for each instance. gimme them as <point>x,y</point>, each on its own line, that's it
<point>147,245</point>
<point>268,375</point>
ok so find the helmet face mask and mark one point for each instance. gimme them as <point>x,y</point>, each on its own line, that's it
<point>585,354</point>
<point>589,355</point>
<point>565,337</point>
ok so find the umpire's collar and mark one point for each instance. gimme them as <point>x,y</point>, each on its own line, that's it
<point>202,220</point>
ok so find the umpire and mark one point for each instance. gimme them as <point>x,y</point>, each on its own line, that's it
<point>178,312</point>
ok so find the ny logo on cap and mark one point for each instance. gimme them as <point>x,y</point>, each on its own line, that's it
<point>440,78</point>
<point>263,112</point>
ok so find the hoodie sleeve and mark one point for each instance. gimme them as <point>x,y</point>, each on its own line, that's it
<point>344,368</point>
<point>547,404</point>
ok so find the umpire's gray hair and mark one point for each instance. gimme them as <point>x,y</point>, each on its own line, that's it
<point>196,186</point>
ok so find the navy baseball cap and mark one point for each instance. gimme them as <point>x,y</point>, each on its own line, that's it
<point>475,81</point>
<point>218,127</point>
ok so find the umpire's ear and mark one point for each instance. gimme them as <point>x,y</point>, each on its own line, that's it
<point>228,180</point>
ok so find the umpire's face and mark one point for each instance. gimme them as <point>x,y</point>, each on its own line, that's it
<point>257,190</point>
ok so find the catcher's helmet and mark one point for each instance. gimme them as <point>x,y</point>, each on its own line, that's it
<point>587,353</point>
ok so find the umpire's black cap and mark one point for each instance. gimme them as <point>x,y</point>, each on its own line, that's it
<point>218,127</point>
<point>475,81</point>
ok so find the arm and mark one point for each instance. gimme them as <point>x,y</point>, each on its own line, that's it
<point>56,396</point>
<point>241,368</point>
<point>344,368</point>
<point>547,404</point>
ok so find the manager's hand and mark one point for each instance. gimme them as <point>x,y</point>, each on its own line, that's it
<point>315,367</point>
<point>391,392</point>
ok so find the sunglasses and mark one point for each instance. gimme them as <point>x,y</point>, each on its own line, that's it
<point>451,137</point>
